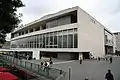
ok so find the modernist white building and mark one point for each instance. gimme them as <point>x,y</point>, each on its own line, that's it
<point>117,41</point>
<point>68,34</point>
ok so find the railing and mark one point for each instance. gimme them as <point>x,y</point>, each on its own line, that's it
<point>52,73</point>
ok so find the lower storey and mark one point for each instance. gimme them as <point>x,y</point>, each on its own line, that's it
<point>58,55</point>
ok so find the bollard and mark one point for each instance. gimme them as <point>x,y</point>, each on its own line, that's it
<point>80,61</point>
<point>69,76</point>
<point>86,78</point>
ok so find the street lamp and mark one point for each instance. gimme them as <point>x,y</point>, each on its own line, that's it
<point>1,12</point>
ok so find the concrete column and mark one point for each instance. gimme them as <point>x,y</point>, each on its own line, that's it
<point>33,29</point>
<point>28,30</point>
<point>80,55</point>
<point>40,27</point>
<point>114,43</point>
<point>36,54</point>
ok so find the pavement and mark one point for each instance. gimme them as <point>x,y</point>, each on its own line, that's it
<point>93,69</point>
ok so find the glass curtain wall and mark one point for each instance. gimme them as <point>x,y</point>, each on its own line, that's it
<point>58,39</point>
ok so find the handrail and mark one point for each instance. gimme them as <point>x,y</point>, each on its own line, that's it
<point>52,73</point>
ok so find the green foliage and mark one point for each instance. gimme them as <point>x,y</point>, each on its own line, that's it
<point>8,17</point>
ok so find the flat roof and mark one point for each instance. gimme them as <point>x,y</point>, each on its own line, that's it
<point>48,17</point>
<point>58,14</point>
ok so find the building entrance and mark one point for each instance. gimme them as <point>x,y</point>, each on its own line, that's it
<point>23,55</point>
<point>48,54</point>
<point>86,55</point>
<point>108,50</point>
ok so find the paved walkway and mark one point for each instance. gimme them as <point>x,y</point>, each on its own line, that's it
<point>95,70</point>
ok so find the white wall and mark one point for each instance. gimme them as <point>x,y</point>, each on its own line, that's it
<point>109,41</point>
<point>114,44</point>
<point>36,54</point>
<point>91,36</point>
<point>117,41</point>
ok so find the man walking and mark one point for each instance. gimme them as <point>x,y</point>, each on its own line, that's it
<point>109,75</point>
<point>111,60</point>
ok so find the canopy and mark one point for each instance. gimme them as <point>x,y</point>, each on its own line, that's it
<point>7,76</point>
<point>4,69</point>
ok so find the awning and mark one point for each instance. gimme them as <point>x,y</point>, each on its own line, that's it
<point>4,69</point>
<point>7,76</point>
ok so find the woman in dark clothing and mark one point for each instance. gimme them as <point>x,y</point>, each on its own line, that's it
<point>109,75</point>
<point>110,59</point>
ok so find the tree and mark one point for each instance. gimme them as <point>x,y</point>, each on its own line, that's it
<point>9,19</point>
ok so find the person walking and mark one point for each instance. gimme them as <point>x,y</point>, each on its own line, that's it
<point>109,75</point>
<point>50,59</point>
<point>45,66</point>
<point>50,63</point>
<point>111,60</point>
<point>106,59</point>
<point>41,65</point>
<point>80,61</point>
<point>98,58</point>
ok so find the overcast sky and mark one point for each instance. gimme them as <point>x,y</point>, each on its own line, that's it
<point>106,12</point>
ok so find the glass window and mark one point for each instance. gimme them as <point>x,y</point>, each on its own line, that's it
<point>35,42</point>
<point>40,41</point>
<point>37,28</point>
<point>70,31</point>
<point>47,38</point>
<point>64,31</point>
<point>51,40</point>
<point>64,41</point>
<point>75,29</point>
<point>60,33</point>
<point>75,41</point>
<point>59,41</point>
<point>43,41</point>
<point>55,40</point>
<point>70,41</point>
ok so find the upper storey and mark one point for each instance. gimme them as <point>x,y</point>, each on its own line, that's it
<point>64,17</point>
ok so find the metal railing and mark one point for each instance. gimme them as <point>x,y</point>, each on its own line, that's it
<point>52,73</point>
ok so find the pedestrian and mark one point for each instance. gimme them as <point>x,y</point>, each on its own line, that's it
<point>45,66</point>
<point>98,58</point>
<point>41,63</point>
<point>111,60</point>
<point>109,75</point>
<point>106,59</point>
<point>80,61</point>
<point>50,59</point>
<point>50,63</point>
<point>86,78</point>
<point>42,66</point>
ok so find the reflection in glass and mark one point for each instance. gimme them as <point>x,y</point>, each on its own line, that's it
<point>75,41</point>
<point>70,41</point>
<point>64,41</point>
<point>59,41</point>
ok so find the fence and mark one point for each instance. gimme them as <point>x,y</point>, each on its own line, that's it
<point>52,73</point>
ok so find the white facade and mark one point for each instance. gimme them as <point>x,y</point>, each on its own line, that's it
<point>92,37</point>
<point>117,41</point>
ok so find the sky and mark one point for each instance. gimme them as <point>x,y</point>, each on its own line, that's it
<point>107,12</point>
